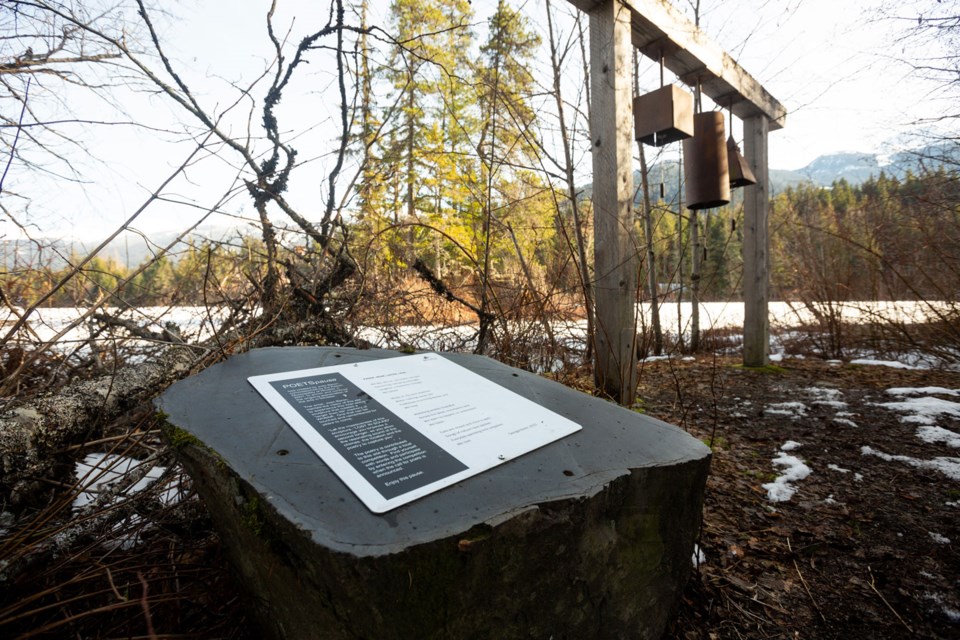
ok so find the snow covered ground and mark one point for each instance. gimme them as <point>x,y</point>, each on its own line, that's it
<point>921,407</point>
<point>831,483</point>
<point>105,478</point>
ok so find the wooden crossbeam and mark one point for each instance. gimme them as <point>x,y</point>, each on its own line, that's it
<point>660,29</point>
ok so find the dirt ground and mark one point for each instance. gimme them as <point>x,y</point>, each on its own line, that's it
<point>859,550</point>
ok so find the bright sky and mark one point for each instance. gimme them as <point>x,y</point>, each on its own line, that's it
<point>834,65</point>
<point>831,63</point>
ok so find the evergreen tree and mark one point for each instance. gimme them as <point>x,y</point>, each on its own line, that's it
<point>433,38</point>
<point>504,85</point>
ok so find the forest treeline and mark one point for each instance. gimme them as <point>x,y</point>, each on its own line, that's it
<point>884,239</point>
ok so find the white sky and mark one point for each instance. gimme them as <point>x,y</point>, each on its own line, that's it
<point>833,64</point>
<point>828,61</point>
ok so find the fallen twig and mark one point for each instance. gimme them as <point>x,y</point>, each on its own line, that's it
<point>806,587</point>
<point>145,604</point>
<point>113,587</point>
<point>874,587</point>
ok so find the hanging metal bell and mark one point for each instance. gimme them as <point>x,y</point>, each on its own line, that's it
<point>740,173</point>
<point>663,116</point>
<point>705,168</point>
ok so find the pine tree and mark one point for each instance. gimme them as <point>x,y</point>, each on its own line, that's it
<point>370,188</point>
<point>433,39</point>
<point>506,119</point>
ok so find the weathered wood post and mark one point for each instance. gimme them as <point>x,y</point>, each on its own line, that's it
<point>756,257</point>
<point>615,250</point>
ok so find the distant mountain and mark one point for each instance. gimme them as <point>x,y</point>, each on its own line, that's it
<point>856,168</point>
<point>129,250</point>
<point>853,167</point>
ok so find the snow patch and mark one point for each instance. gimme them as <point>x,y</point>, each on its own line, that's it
<point>846,423</point>
<point>893,364</point>
<point>952,614</point>
<point>836,404</point>
<point>924,409</point>
<point>949,467</point>
<point>99,470</point>
<point>834,467</point>
<point>933,435</point>
<point>782,489</point>
<point>922,391</point>
<point>939,539</point>
<point>699,557</point>
<point>792,409</point>
<point>654,358</point>
<point>821,393</point>
<point>790,445</point>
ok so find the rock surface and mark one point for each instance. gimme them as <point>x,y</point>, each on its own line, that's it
<point>589,537</point>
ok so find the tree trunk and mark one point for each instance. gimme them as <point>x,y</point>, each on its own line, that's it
<point>648,233</point>
<point>694,281</point>
<point>34,436</point>
<point>583,266</point>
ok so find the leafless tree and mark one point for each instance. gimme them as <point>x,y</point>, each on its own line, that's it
<point>304,260</point>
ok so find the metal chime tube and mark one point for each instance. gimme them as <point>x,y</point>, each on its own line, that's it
<point>706,169</point>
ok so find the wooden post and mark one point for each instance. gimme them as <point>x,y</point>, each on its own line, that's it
<point>615,251</point>
<point>756,259</point>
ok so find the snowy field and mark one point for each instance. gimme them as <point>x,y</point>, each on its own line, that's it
<point>66,325</point>
<point>676,319</point>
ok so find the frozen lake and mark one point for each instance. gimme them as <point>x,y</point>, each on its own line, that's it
<point>195,323</point>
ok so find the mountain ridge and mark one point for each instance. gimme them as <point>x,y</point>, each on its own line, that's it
<point>853,166</point>
<point>857,167</point>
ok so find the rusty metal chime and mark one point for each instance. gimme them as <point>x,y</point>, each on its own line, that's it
<point>740,173</point>
<point>663,116</point>
<point>713,165</point>
<point>706,169</point>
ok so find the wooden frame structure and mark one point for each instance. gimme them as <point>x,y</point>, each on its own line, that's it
<point>658,31</point>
